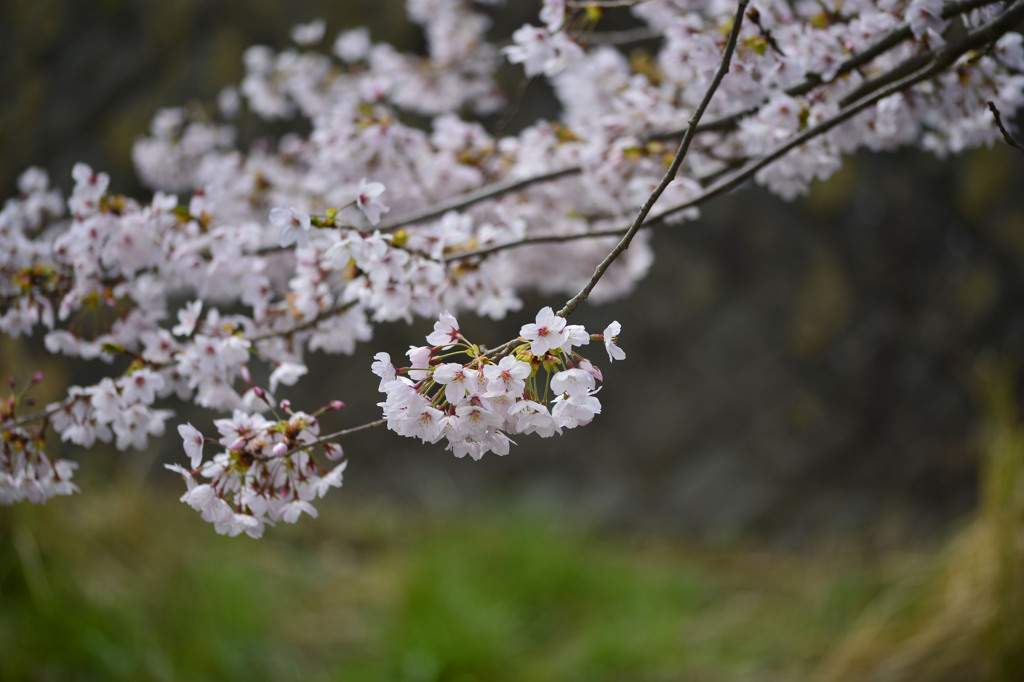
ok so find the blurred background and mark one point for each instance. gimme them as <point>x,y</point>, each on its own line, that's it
<point>810,467</point>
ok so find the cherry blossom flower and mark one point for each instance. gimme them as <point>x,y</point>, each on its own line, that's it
<point>611,334</point>
<point>193,443</point>
<point>294,226</point>
<point>367,201</point>
<point>309,34</point>
<point>188,317</point>
<point>546,333</point>
<point>446,331</point>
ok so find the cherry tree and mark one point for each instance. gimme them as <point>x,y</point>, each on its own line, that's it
<point>398,204</point>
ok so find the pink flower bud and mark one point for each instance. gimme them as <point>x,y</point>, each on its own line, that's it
<point>333,451</point>
<point>279,450</point>
<point>335,405</point>
<point>286,405</point>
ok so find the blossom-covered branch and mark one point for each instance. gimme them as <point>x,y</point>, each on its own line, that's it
<point>399,204</point>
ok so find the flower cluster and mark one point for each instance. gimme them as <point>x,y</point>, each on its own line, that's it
<point>263,473</point>
<point>26,472</point>
<point>475,404</point>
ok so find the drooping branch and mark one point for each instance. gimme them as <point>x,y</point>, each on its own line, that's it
<point>854,62</point>
<point>670,174</point>
<point>941,60</point>
<point>466,200</point>
<point>936,62</point>
<point>722,123</point>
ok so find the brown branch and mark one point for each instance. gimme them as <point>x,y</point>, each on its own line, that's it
<point>1010,139</point>
<point>619,38</point>
<point>670,174</point>
<point>42,414</point>
<point>476,196</point>
<point>812,81</point>
<point>941,59</point>
<point>308,324</point>
<point>368,426</point>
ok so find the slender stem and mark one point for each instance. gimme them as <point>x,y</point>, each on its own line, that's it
<point>620,38</point>
<point>42,414</point>
<point>308,324</point>
<point>368,426</point>
<point>475,197</point>
<point>670,174</point>
<point>1010,139</point>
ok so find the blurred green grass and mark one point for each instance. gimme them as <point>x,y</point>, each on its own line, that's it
<point>129,584</point>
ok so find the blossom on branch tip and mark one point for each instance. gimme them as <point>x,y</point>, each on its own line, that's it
<point>546,333</point>
<point>611,335</point>
<point>446,331</point>
<point>193,441</point>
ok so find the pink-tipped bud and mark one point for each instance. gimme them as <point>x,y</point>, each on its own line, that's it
<point>286,405</point>
<point>333,451</point>
<point>335,405</point>
<point>36,378</point>
<point>279,450</point>
<point>238,445</point>
<point>260,393</point>
<point>246,377</point>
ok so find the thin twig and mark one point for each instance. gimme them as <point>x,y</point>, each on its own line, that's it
<point>722,123</point>
<point>1010,139</point>
<point>626,36</point>
<point>42,414</point>
<point>670,174</point>
<point>368,426</point>
<point>308,324</point>
<point>474,197</point>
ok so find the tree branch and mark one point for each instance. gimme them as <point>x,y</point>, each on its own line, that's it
<point>475,197</point>
<point>670,174</point>
<point>856,61</point>
<point>940,59</point>
<point>1010,139</point>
